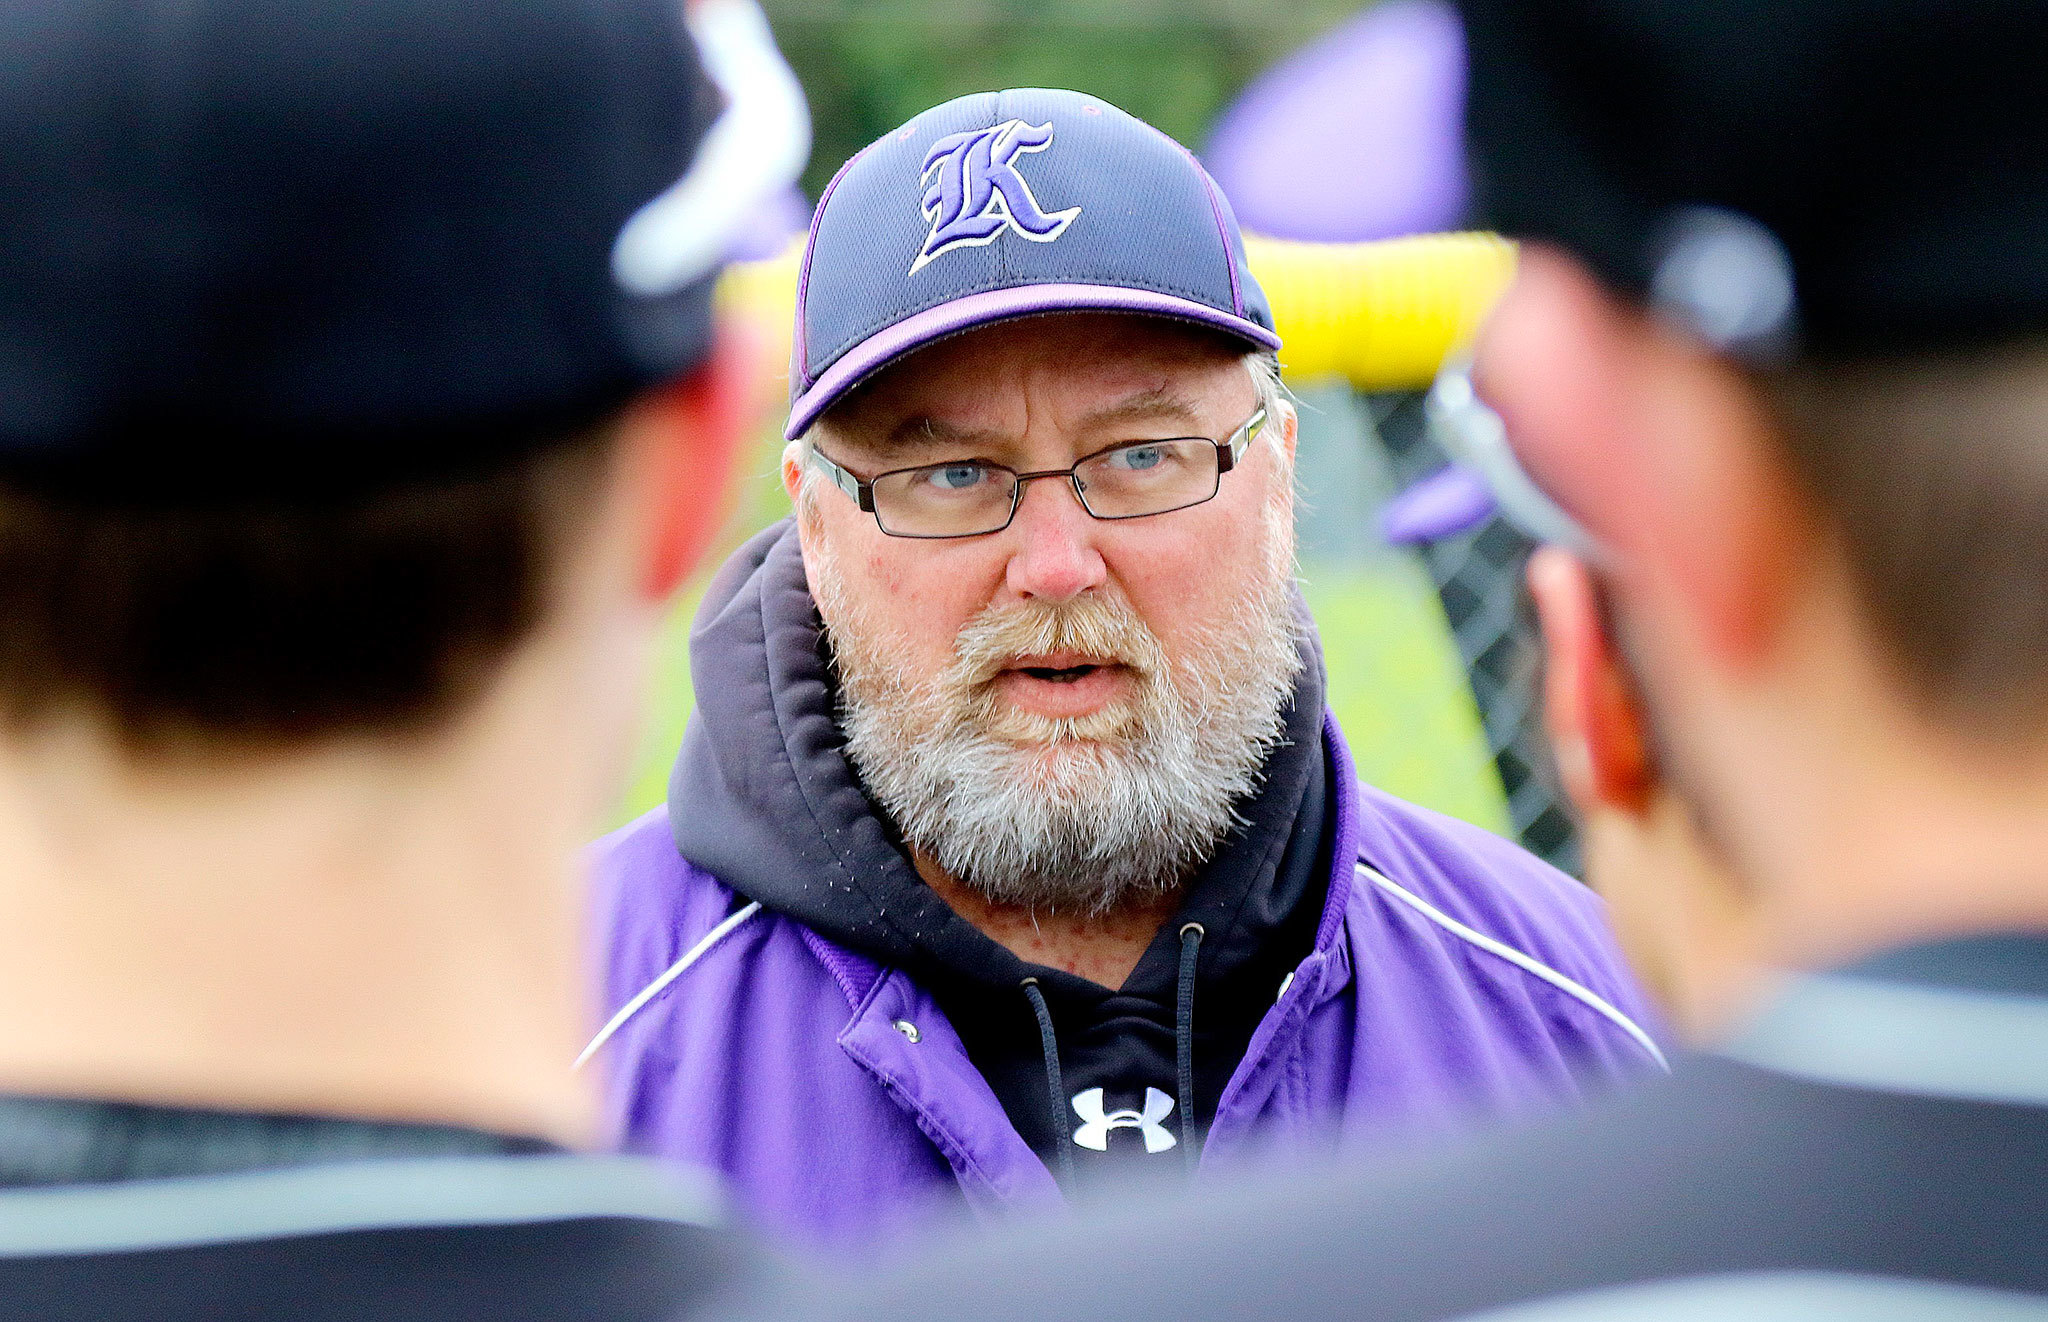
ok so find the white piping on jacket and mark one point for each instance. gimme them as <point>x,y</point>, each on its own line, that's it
<point>668,975</point>
<point>1526,963</point>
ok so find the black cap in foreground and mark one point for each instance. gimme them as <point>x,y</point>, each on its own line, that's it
<point>1843,176</point>
<point>251,247</point>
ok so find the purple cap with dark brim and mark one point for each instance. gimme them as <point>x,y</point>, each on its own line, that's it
<point>1004,205</point>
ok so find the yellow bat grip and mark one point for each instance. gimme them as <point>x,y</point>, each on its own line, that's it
<point>1382,315</point>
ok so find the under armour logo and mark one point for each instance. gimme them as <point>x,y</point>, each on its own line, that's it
<point>973,191</point>
<point>1095,1126</point>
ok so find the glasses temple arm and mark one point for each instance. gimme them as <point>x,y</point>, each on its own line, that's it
<point>862,493</point>
<point>1240,440</point>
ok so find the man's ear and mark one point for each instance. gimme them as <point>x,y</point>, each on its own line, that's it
<point>690,432</point>
<point>793,469</point>
<point>1596,729</point>
<point>1290,430</point>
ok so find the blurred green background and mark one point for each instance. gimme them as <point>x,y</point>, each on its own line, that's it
<point>869,65</point>
<point>1396,682</point>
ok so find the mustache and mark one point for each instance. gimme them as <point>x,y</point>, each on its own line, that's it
<point>1105,628</point>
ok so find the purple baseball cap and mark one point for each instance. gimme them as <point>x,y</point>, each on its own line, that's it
<point>1002,205</point>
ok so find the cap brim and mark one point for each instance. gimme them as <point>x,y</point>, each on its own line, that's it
<point>963,314</point>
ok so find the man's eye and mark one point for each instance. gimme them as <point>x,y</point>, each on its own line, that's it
<point>956,477</point>
<point>1138,458</point>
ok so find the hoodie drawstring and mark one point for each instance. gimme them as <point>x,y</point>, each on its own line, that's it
<point>1191,935</point>
<point>1055,1087</point>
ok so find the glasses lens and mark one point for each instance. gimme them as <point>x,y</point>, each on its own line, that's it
<point>944,500</point>
<point>1149,477</point>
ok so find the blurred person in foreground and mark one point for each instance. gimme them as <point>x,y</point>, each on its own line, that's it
<point>1774,377</point>
<point>1011,846</point>
<point>360,405</point>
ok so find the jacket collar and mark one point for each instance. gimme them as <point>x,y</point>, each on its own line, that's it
<point>1964,1019</point>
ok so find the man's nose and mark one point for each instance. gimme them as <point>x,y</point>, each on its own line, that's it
<point>1054,556</point>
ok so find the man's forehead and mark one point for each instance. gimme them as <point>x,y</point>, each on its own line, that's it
<point>1092,371</point>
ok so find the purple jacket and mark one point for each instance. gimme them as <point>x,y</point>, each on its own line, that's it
<point>1453,976</point>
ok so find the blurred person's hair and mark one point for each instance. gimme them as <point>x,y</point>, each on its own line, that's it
<point>1933,472</point>
<point>265,619</point>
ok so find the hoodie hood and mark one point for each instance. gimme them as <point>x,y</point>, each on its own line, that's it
<point>763,796</point>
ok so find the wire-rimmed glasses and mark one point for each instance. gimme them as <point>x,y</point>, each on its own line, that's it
<point>975,497</point>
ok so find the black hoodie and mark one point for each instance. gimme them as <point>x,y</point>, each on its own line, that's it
<point>766,701</point>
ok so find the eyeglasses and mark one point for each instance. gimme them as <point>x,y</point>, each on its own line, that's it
<point>972,497</point>
<point>1474,436</point>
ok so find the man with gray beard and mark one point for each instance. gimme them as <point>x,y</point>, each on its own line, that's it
<point>1011,842</point>
<point>1088,812</point>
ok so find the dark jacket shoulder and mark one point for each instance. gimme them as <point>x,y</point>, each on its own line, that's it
<point>540,1239</point>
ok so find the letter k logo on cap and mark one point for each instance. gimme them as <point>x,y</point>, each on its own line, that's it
<point>973,191</point>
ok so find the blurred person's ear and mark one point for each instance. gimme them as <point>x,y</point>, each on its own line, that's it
<point>1600,739</point>
<point>1653,443</point>
<point>1684,919</point>
<point>683,440</point>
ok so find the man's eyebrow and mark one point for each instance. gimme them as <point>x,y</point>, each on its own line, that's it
<point>922,428</point>
<point>1160,404</point>
<point>922,431</point>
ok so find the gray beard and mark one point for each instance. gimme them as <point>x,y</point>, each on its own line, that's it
<point>1082,814</point>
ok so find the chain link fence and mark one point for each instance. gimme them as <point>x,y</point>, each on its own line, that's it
<point>1479,578</point>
